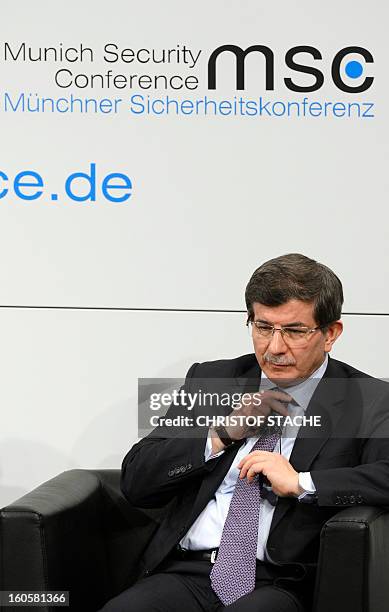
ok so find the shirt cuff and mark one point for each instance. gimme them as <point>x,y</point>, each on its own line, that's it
<point>208,449</point>
<point>306,483</point>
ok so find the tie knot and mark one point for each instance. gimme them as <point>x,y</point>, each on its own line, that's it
<point>267,385</point>
<point>268,441</point>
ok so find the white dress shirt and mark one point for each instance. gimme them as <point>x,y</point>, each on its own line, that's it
<point>206,531</point>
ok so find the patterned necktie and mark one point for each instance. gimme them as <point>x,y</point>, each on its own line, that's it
<point>233,574</point>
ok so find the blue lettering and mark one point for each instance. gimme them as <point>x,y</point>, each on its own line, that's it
<point>89,178</point>
<point>8,102</point>
<point>108,185</point>
<point>19,183</point>
<point>135,103</point>
<point>5,178</point>
<point>264,107</point>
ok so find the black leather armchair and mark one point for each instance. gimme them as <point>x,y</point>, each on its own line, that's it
<point>77,533</point>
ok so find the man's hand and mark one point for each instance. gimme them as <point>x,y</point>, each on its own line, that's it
<point>282,476</point>
<point>257,405</point>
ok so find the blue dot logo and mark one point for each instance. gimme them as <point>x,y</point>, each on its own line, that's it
<point>354,69</point>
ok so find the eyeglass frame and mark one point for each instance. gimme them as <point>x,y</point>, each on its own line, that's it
<point>282,328</point>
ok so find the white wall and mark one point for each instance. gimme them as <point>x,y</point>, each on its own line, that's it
<point>213,197</point>
<point>69,379</point>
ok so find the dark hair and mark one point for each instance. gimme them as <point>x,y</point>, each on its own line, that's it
<point>298,277</point>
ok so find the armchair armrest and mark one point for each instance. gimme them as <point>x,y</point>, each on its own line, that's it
<point>353,565</point>
<point>75,532</point>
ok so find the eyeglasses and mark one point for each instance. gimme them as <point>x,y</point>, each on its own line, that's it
<point>293,336</point>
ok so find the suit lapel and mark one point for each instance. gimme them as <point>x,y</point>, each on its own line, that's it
<point>246,382</point>
<point>251,379</point>
<point>327,403</point>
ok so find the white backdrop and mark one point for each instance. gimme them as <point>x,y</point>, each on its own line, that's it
<point>212,198</point>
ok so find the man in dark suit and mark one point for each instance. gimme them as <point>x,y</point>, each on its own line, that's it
<point>245,505</point>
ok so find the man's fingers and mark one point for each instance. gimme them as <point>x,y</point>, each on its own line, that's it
<point>266,407</point>
<point>255,469</point>
<point>277,406</point>
<point>267,398</point>
<point>275,400</point>
<point>255,454</point>
<point>281,396</point>
<point>246,464</point>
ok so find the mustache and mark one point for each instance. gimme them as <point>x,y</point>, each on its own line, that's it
<point>278,359</point>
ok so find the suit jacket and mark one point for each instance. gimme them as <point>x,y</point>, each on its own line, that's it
<point>347,467</point>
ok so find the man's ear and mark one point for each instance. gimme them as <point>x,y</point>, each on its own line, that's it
<point>331,334</point>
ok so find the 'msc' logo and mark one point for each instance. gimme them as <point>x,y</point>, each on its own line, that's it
<point>353,68</point>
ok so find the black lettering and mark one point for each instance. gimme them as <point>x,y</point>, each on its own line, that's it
<point>335,70</point>
<point>21,50</point>
<point>63,73</point>
<point>109,52</point>
<point>289,60</point>
<point>241,55</point>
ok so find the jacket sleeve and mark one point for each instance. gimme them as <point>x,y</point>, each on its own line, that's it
<point>368,482</point>
<point>157,467</point>
<point>364,484</point>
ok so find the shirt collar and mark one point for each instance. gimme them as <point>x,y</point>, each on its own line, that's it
<point>302,392</point>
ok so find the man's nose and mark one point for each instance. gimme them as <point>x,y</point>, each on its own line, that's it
<point>277,343</point>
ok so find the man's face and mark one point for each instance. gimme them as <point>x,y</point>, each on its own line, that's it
<point>286,363</point>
